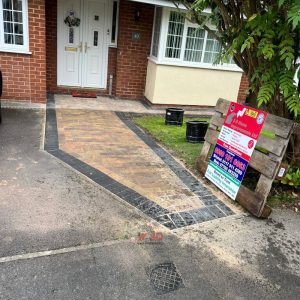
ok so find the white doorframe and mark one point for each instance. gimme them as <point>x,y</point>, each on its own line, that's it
<point>72,59</point>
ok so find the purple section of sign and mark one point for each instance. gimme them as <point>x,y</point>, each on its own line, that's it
<point>229,162</point>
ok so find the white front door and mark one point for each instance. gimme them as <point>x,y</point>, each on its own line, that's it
<point>82,50</point>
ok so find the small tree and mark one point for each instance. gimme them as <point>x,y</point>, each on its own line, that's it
<point>263,39</point>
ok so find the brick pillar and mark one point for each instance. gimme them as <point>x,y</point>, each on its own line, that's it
<point>133,53</point>
<point>243,89</point>
<point>51,44</point>
<point>37,35</point>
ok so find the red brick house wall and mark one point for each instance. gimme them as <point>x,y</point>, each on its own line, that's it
<point>112,69</point>
<point>51,44</point>
<point>24,75</point>
<point>132,54</point>
<point>243,89</point>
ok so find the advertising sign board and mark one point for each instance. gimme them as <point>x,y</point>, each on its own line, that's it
<point>234,148</point>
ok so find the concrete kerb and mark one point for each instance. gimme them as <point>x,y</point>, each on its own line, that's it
<point>182,230</point>
<point>22,105</point>
<point>42,141</point>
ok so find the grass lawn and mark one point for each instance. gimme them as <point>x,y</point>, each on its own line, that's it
<point>172,137</point>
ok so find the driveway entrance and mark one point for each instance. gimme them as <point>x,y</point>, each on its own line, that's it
<point>109,149</point>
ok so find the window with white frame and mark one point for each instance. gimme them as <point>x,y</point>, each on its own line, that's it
<point>185,43</point>
<point>175,35</point>
<point>212,49</point>
<point>194,44</point>
<point>13,24</point>
<point>156,31</point>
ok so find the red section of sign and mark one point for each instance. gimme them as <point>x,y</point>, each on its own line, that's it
<point>251,144</point>
<point>246,120</point>
<point>233,150</point>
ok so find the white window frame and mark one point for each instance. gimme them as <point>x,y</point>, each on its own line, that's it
<point>185,38</point>
<point>153,29</point>
<point>163,60</point>
<point>15,48</point>
<point>110,19</point>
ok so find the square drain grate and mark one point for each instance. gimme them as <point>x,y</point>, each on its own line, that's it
<point>164,278</point>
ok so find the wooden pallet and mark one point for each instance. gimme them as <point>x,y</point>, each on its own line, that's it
<point>266,164</point>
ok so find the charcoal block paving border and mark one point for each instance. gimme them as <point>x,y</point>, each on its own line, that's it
<point>213,209</point>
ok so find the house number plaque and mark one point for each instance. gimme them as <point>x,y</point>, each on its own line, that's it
<point>136,36</point>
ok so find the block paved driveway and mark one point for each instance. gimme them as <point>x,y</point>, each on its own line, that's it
<point>127,162</point>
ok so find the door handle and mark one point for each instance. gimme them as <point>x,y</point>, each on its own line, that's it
<point>80,47</point>
<point>86,47</point>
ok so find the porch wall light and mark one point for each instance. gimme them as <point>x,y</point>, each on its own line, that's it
<point>137,15</point>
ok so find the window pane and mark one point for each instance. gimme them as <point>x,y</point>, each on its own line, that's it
<point>156,32</point>
<point>8,28</point>
<point>7,16</point>
<point>7,4</point>
<point>114,22</point>
<point>17,5</point>
<point>18,17</point>
<point>19,40</point>
<point>96,38</point>
<point>175,33</point>
<point>212,49</point>
<point>8,39</point>
<point>209,46</point>
<point>13,22</point>
<point>194,44</point>
<point>71,35</point>
<point>18,28</point>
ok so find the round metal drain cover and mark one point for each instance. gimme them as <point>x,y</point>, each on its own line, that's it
<point>164,278</point>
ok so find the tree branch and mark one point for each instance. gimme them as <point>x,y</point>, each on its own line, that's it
<point>224,12</point>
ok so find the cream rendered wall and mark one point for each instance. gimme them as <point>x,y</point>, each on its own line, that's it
<point>167,84</point>
<point>150,81</point>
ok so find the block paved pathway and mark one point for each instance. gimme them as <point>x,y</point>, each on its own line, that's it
<point>108,104</point>
<point>107,147</point>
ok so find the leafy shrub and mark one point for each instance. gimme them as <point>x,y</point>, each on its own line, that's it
<point>292,178</point>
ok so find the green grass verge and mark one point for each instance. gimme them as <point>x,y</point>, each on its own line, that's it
<point>173,137</point>
<point>282,198</point>
<point>268,134</point>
